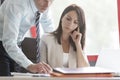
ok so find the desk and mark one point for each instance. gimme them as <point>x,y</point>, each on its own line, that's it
<point>56,78</point>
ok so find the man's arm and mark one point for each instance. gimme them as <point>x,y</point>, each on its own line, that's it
<point>12,19</point>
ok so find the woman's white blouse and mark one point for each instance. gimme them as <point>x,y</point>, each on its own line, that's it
<point>65,59</point>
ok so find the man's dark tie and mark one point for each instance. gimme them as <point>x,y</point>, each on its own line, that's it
<point>38,35</point>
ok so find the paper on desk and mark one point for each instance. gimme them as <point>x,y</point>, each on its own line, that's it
<point>84,70</point>
<point>29,74</point>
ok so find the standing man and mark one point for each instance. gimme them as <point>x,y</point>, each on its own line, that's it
<point>16,18</point>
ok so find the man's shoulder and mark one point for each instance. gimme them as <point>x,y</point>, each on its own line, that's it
<point>16,4</point>
<point>17,1</point>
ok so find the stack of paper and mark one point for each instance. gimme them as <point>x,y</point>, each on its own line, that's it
<point>82,72</point>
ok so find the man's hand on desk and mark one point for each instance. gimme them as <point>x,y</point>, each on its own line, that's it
<point>40,67</point>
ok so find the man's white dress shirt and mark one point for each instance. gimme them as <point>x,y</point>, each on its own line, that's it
<point>16,18</point>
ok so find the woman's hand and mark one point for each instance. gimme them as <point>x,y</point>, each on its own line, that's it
<point>81,61</point>
<point>76,36</point>
<point>40,68</point>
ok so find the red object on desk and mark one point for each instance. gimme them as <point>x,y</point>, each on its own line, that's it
<point>92,57</point>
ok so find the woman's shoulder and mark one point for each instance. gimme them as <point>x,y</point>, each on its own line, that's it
<point>48,36</point>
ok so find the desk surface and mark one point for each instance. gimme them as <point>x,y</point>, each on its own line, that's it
<point>57,78</point>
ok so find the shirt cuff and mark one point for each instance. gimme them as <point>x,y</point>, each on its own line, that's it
<point>26,63</point>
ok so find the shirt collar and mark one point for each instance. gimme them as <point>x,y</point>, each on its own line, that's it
<point>32,4</point>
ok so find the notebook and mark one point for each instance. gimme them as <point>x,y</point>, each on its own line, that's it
<point>110,59</point>
<point>84,70</point>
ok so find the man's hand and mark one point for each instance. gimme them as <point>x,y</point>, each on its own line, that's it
<point>40,68</point>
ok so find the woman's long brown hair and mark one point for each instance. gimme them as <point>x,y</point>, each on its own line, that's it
<point>81,25</point>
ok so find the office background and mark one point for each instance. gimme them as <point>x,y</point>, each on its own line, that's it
<point>101,22</point>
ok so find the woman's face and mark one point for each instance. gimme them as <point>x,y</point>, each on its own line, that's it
<point>69,22</point>
<point>42,5</point>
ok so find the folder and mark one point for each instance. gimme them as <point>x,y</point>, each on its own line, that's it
<point>82,72</point>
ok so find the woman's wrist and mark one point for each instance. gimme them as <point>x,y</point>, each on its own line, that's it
<point>78,45</point>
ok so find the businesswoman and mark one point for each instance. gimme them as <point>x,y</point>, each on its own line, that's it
<point>64,47</point>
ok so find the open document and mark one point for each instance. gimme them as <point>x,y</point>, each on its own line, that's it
<point>83,72</point>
